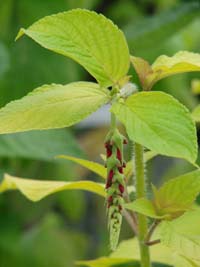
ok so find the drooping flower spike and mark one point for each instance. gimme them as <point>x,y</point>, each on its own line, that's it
<point>115,183</point>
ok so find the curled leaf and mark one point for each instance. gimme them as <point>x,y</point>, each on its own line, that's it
<point>36,190</point>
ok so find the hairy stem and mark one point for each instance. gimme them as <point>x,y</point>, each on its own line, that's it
<point>140,192</point>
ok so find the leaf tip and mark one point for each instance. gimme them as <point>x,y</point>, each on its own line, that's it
<point>20,33</point>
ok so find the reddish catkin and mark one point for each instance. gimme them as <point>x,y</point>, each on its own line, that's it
<point>115,183</point>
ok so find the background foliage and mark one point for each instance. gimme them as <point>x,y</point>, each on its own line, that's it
<point>63,228</point>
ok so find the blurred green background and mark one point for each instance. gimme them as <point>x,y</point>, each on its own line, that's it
<point>72,225</point>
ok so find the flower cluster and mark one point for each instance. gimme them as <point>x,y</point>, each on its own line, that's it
<point>115,183</point>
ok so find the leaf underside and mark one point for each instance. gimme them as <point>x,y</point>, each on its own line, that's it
<point>36,190</point>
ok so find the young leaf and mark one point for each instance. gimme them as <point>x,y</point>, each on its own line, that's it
<point>52,106</point>
<point>35,190</point>
<point>160,123</point>
<point>165,66</point>
<point>128,254</point>
<point>145,207</point>
<point>182,235</point>
<point>90,165</point>
<point>178,194</point>
<point>87,37</point>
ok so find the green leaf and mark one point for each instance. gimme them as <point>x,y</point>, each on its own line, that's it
<point>182,235</point>
<point>35,190</point>
<point>129,249</point>
<point>128,254</point>
<point>165,66</point>
<point>152,32</point>
<point>145,207</point>
<point>181,62</point>
<point>40,145</point>
<point>52,106</point>
<point>87,37</point>
<point>160,123</point>
<point>196,114</point>
<point>90,165</point>
<point>182,261</point>
<point>178,194</point>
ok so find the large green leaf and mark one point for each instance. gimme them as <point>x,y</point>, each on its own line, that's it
<point>128,254</point>
<point>35,190</point>
<point>159,122</point>
<point>172,199</point>
<point>165,66</point>
<point>52,106</point>
<point>178,194</point>
<point>87,37</point>
<point>90,165</point>
<point>182,235</point>
<point>40,145</point>
<point>152,32</point>
<point>182,261</point>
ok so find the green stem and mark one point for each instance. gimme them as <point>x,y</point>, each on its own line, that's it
<point>113,121</point>
<point>140,192</point>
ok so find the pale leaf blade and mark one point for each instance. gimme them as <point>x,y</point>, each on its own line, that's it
<point>88,38</point>
<point>90,165</point>
<point>182,235</point>
<point>178,194</point>
<point>181,62</point>
<point>159,122</point>
<point>52,106</point>
<point>36,190</point>
<point>143,206</point>
<point>128,254</point>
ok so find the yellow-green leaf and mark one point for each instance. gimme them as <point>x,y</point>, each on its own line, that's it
<point>35,190</point>
<point>145,207</point>
<point>90,165</point>
<point>178,194</point>
<point>182,235</point>
<point>165,66</point>
<point>88,38</point>
<point>52,106</point>
<point>159,122</point>
<point>128,252</point>
<point>182,261</point>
